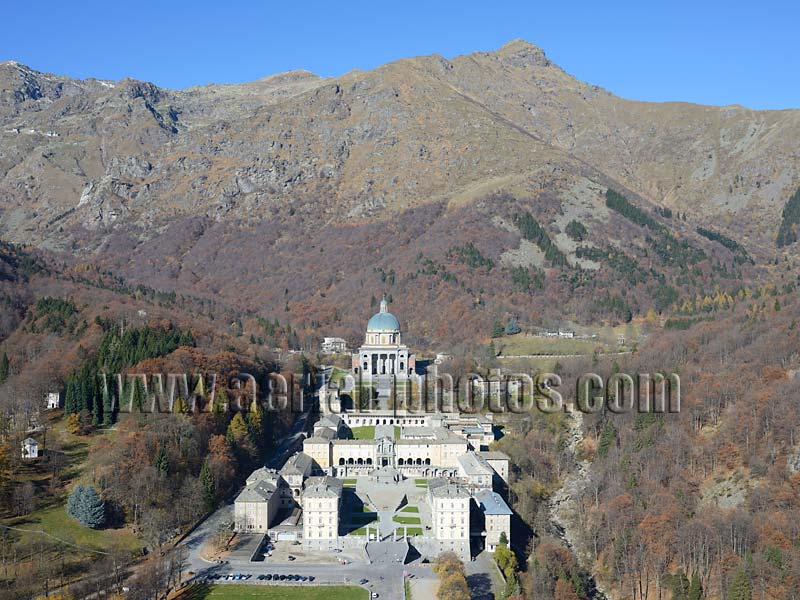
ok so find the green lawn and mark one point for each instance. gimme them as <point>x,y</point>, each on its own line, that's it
<point>521,345</point>
<point>56,522</point>
<point>350,483</point>
<point>367,432</point>
<point>407,520</point>
<point>274,592</point>
<point>410,509</point>
<point>410,531</point>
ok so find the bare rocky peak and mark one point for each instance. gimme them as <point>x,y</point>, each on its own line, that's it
<point>521,53</point>
<point>369,142</point>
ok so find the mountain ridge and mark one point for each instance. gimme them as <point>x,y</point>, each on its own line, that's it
<point>90,166</point>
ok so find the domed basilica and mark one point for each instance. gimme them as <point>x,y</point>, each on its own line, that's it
<point>383,352</point>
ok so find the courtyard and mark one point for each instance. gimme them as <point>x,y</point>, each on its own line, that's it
<point>393,509</point>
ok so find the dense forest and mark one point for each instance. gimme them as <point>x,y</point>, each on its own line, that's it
<point>790,221</point>
<point>702,503</point>
<point>141,477</point>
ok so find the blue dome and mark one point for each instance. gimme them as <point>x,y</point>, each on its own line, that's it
<point>383,321</point>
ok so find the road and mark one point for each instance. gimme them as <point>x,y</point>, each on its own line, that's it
<point>386,580</point>
<point>297,434</point>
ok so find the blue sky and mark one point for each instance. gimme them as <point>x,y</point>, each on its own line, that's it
<point>717,53</point>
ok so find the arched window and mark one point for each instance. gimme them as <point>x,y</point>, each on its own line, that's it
<point>399,462</point>
<point>427,461</point>
<point>341,461</point>
<point>369,461</point>
<point>360,461</point>
<point>349,461</point>
<point>419,461</point>
<point>366,368</point>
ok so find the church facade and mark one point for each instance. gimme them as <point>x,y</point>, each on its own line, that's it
<point>383,352</point>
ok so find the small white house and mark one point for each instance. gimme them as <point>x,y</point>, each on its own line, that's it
<point>30,448</point>
<point>53,400</point>
<point>333,345</point>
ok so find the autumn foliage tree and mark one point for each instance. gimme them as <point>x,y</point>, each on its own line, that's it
<point>452,577</point>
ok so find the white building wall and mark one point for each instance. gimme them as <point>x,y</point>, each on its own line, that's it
<point>321,519</point>
<point>255,517</point>
<point>495,526</point>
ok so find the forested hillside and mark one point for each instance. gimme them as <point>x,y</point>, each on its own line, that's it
<point>115,478</point>
<point>706,498</point>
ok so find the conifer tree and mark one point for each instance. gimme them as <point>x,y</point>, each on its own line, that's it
<point>108,408</point>
<point>607,438</point>
<point>255,423</point>
<point>97,413</point>
<point>680,585</point>
<point>161,461</point>
<point>71,398</point>
<point>93,509</point>
<point>4,368</point>
<point>84,504</point>
<point>741,588</point>
<point>237,429</point>
<point>497,329</point>
<point>179,407</point>
<point>695,589</point>
<point>200,387</point>
<point>207,481</point>
<point>74,500</point>
<point>137,396</point>
<point>220,400</point>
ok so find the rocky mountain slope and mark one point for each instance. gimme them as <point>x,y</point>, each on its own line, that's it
<point>201,187</point>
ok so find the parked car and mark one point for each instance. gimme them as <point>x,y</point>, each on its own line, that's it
<point>362,581</point>
<point>290,558</point>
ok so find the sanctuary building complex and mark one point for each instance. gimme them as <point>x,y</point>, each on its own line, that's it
<point>440,461</point>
